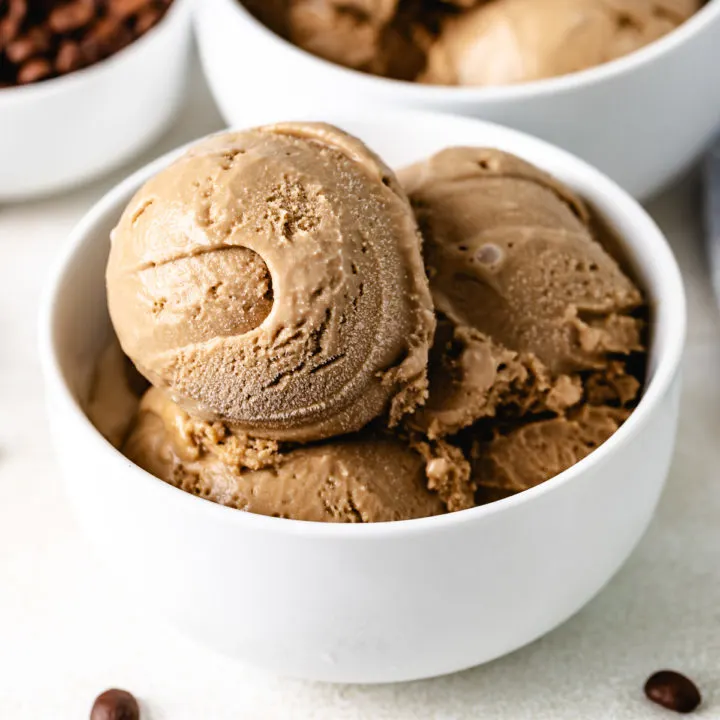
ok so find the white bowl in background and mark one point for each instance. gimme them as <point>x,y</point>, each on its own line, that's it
<point>64,131</point>
<point>642,119</point>
<point>389,601</point>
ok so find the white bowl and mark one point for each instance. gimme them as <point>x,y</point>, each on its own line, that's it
<point>642,119</point>
<point>383,602</point>
<point>64,131</point>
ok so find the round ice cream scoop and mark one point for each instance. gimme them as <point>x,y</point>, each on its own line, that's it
<point>511,254</point>
<point>362,478</point>
<point>348,33</point>
<point>511,41</point>
<point>272,279</point>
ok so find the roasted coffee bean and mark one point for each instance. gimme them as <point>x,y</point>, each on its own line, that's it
<point>104,38</point>
<point>68,58</point>
<point>673,691</point>
<point>71,16</point>
<point>11,22</point>
<point>45,38</point>
<point>34,70</point>
<point>126,8</point>
<point>147,19</point>
<point>35,42</point>
<point>115,705</point>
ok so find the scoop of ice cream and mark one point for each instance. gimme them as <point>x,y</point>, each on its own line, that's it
<point>348,33</point>
<point>472,377</point>
<point>382,37</point>
<point>375,36</point>
<point>365,478</point>
<point>273,279</point>
<point>511,41</point>
<point>114,394</point>
<point>529,454</point>
<point>535,331</point>
<point>536,361</point>
<point>510,254</point>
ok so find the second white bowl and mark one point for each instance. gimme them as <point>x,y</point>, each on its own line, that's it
<point>382,602</point>
<point>61,132</point>
<point>642,119</point>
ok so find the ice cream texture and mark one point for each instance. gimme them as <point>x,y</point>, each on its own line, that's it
<point>513,41</point>
<point>535,360</point>
<point>273,279</point>
<point>359,478</point>
<point>472,42</point>
<point>536,321</point>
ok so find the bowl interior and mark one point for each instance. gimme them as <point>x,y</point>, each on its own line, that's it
<point>76,325</point>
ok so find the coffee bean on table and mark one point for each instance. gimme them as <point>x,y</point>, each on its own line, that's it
<point>115,705</point>
<point>673,691</point>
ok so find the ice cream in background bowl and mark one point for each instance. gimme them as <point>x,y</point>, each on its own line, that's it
<point>628,85</point>
<point>357,601</point>
<point>472,42</point>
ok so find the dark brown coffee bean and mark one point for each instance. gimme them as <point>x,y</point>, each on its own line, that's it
<point>126,8</point>
<point>35,42</point>
<point>68,58</point>
<point>673,691</point>
<point>12,21</point>
<point>104,38</point>
<point>45,38</point>
<point>34,70</point>
<point>115,705</point>
<point>147,19</point>
<point>71,16</point>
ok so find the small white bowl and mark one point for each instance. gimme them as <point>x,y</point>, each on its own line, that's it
<point>642,119</point>
<point>368,603</point>
<point>64,131</point>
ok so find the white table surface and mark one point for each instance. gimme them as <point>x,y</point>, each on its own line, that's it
<point>67,632</point>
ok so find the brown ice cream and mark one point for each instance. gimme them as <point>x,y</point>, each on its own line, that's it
<point>382,37</point>
<point>511,255</point>
<point>536,321</point>
<point>115,395</point>
<point>472,42</point>
<point>530,453</point>
<point>362,478</point>
<point>512,41</point>
<point>273,279</point>
<point>536,360</point>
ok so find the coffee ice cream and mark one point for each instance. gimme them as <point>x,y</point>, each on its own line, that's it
<point>382,37</point>
<point>472,42</point>
<point>511,254</point>
<point>536,321</point>
<point>513,41</point>
<point>535,361</point>
<point>273,280</point>
<point>363,477</point>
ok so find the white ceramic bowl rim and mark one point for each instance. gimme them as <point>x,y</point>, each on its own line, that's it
<point>45,88</point>
<point>501,93</point>
<point>657,387</point>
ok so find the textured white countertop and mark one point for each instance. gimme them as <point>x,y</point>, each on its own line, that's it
<point>67,633</point>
